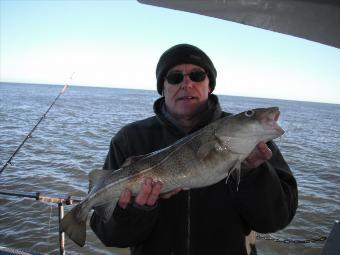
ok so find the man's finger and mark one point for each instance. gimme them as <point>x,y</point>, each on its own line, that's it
<point>171,193</point>
<point>154,195</point>
<point>264,151</point>
<point>259,155</point>
<point>125,198</point>
<point>144,192</point>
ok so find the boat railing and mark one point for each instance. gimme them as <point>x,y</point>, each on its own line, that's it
<point>60,200</point>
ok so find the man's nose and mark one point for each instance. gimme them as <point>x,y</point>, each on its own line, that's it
<point>187,82</point>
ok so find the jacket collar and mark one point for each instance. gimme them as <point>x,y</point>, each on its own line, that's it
<point>212,113</point>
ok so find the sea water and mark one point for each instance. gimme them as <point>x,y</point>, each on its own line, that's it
<point>74,138</point>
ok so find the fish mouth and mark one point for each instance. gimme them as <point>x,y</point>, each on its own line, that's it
<point>270,120</point>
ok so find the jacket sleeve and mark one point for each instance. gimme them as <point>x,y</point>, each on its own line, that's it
<point>128,226</point>
<point>267,198</point>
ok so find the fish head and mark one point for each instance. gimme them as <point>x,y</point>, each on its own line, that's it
<point>243,131</point>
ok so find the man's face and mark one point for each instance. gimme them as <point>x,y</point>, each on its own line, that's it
<point>188,97</point>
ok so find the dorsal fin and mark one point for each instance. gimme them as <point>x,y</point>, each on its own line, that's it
<point>133,159</point>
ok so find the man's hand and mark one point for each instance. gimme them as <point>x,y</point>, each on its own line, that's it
<point>259,155</point>
<point>148,194</point>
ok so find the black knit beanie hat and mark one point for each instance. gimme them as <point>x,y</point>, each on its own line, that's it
<point>184,54</point>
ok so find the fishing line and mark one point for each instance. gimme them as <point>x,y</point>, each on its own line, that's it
<point>36,125</point>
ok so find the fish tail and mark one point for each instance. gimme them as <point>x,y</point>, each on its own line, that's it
<point>75,226</point>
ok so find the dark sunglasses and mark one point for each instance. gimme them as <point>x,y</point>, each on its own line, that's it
<point>175,78</point>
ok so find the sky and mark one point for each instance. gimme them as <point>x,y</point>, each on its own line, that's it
<point>117,43</point>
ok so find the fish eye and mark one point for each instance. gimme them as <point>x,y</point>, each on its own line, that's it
<point>249,113</point>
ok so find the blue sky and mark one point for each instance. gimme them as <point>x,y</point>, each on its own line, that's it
<point>118,43</point>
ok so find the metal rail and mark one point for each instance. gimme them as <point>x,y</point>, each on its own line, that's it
<point>69,200</point>
<point>60,200</point>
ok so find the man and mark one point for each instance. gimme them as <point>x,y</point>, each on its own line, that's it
<point>211,220</point>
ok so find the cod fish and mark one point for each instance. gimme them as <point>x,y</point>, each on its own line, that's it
<point>200,159</point>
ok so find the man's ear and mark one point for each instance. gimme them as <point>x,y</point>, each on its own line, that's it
<point>163,89</point>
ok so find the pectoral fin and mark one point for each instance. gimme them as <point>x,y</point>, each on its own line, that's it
<point>207,148</point>
<point>235,172</point>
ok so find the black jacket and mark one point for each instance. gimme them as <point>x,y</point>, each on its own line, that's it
<point>210,220</point>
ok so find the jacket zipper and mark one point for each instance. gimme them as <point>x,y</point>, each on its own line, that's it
<point>188,225</point>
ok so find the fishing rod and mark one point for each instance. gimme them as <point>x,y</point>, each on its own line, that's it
<point>60,198</point>
<point>36,125</point>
